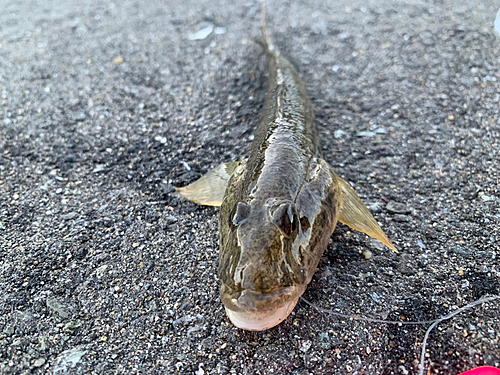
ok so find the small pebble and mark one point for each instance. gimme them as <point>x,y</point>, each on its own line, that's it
<point>220,30</point>
<point>338,133</point>
<point>170,220</point>
<point>202,34</point>
<point>101,270</point>
<point>366,134</point>
<point>57,307</point>
<point>375,207</point>
<point>39,362</point>
<point>69,216</point>
<point>72,326</point>
<point>185,165</point>
<point>460,250</point>
<point>9,330</point>
<point>305,345</point>
<point>99,168</point>
<point>161,139</point>
<point>397,208</point>
<point>421,244</point>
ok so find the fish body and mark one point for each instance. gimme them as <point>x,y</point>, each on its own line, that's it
<point>278,208</point>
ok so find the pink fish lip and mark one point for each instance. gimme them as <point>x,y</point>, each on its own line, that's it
<point>256,311</point>
<point>252,320</point>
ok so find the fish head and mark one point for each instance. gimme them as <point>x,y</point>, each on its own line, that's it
<point>266,260</point>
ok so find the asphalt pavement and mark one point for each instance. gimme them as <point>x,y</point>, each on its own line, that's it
<point>106,107</point>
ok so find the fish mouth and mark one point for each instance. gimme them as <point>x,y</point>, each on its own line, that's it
<point>254,311</point>
<point>252,320</point>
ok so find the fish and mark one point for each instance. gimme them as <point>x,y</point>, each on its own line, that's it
<point>279,207</point>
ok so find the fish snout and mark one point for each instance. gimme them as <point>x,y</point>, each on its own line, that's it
<point>254,311</point>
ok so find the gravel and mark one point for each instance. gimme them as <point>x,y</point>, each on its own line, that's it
<point>106,107</point>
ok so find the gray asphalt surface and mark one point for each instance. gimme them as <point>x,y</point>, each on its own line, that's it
<point>105,107</point>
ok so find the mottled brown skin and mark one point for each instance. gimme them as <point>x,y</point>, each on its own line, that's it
<point>281,206</point>
<point>278,208</point>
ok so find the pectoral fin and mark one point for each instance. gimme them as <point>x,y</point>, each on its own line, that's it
<point>209,189</point>
<point>354,214</point>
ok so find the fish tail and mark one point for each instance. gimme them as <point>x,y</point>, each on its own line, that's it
<point>266,44</point>
<point>269,45</point>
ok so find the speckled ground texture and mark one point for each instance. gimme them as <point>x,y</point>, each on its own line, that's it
<point>106,107</point>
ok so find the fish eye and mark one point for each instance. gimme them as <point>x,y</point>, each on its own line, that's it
<point>240,212</point>
<point>286,219</point>
<point>295,222</point>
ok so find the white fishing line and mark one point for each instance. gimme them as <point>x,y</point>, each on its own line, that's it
<point>451,315</point>
<point>359,317</point>
<point>433,322</point>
